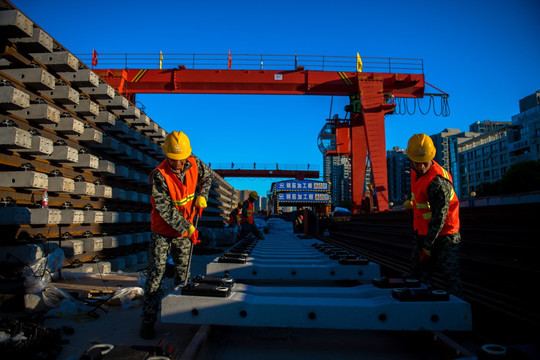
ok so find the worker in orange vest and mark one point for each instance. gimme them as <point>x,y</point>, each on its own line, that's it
<point>235,216</point>
<point>435,215</point>
<point>174,207</point>
<point>299,220</point>
<point>248,225</point>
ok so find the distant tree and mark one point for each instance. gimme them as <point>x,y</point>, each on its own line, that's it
<point>489,188</point>
<point>521,177</point>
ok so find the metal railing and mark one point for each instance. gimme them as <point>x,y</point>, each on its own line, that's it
<point>253,62</point>
<point>262,166</point>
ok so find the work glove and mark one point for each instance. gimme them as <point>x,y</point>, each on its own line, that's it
<point>195,237</point>
<point>200,202</point>
<point>425,254</point>
<point>190,231</point>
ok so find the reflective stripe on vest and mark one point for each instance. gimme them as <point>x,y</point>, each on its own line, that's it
<point>250,212</point>
<point>234,217</point>
<point>422,209</point>
<point>182,196</point>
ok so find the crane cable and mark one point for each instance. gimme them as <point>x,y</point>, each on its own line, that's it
<point>403,106</point>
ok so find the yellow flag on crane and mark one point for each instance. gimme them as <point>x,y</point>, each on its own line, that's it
<point>160,59</point>
<point>359,64</point>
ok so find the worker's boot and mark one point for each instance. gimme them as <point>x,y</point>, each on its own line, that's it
<point>147,330</point>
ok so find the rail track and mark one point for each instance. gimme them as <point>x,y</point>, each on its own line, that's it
<point>499,261</point>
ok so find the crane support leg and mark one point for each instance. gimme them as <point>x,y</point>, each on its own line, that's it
<point>371,120</point>
<point>358,160</point>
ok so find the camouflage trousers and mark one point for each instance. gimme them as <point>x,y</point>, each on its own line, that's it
<point>247,229</point>
<point>157,259</point>
<point>444,257</point>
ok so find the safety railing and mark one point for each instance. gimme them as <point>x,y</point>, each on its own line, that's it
<point>253,62</point>
<point>263,166</point>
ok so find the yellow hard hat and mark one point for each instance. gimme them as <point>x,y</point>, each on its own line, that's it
<point>177,146</point>
<point>240,204</point>
<point>253,195</point>
<point>420,148</point>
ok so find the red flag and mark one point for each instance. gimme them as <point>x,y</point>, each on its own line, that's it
<point>94,58</point>
<point>230,60</point>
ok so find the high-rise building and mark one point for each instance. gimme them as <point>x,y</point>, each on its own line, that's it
<point>399,175</point>
<point>487,126</point>
<point>441,142</point>
<point>524,141</point>
<point>450,143</point>
<point>529,102</point>
<point>483,158</point>
<point>337,171</point>
<point>453,155</point>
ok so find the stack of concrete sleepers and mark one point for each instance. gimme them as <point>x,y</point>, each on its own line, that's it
<point>221,201</point>
<point>68,134</point>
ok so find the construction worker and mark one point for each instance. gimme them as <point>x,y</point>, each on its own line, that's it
<point>235,216</point>
<point>174,207</point>
<point>299,220</point>
<point>248,220</point>
<point>435,216</point>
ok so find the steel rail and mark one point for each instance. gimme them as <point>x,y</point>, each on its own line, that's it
<point>498,256</point>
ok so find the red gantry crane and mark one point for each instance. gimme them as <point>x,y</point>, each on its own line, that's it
<point>371,95</point>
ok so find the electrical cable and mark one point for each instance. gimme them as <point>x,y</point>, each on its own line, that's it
<point>429,105</point>
<point>435,110</point>
<point>399,106</point>
<point>444,102</point>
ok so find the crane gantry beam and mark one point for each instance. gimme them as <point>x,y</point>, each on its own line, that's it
<point>269,82</point>
<point>367,131</point>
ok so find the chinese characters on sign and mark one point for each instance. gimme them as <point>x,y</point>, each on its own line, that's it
<point>303,196</point>
<point>294,185</point>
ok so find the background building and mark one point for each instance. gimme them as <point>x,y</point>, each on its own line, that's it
<point>483,158</point>
<point>523,142</point>
<point>399,175</point>
<point>441,142</point>
<point>337,171</point>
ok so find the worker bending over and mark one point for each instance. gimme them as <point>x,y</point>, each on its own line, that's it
<point>248,218</point>
<point>235,216</point>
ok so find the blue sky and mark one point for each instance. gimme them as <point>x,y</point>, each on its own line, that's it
<point>485,54</point>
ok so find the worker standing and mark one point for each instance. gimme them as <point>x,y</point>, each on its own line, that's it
<point>248,225</point>
<point>174,184</point>
<point>435,216</point>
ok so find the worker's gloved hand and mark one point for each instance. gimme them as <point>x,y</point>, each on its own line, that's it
<point>200,202</point>
<point>190,231</point>
<point>425,254</point>
<point>195,237</point>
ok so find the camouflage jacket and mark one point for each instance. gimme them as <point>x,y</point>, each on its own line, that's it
<point>439,191</point>
<point>162,198</point>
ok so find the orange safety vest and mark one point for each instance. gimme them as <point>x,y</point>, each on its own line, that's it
<point>233,217</point>
<point>422,210</point>
<point>181,194</point>
<point>250,212</point>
